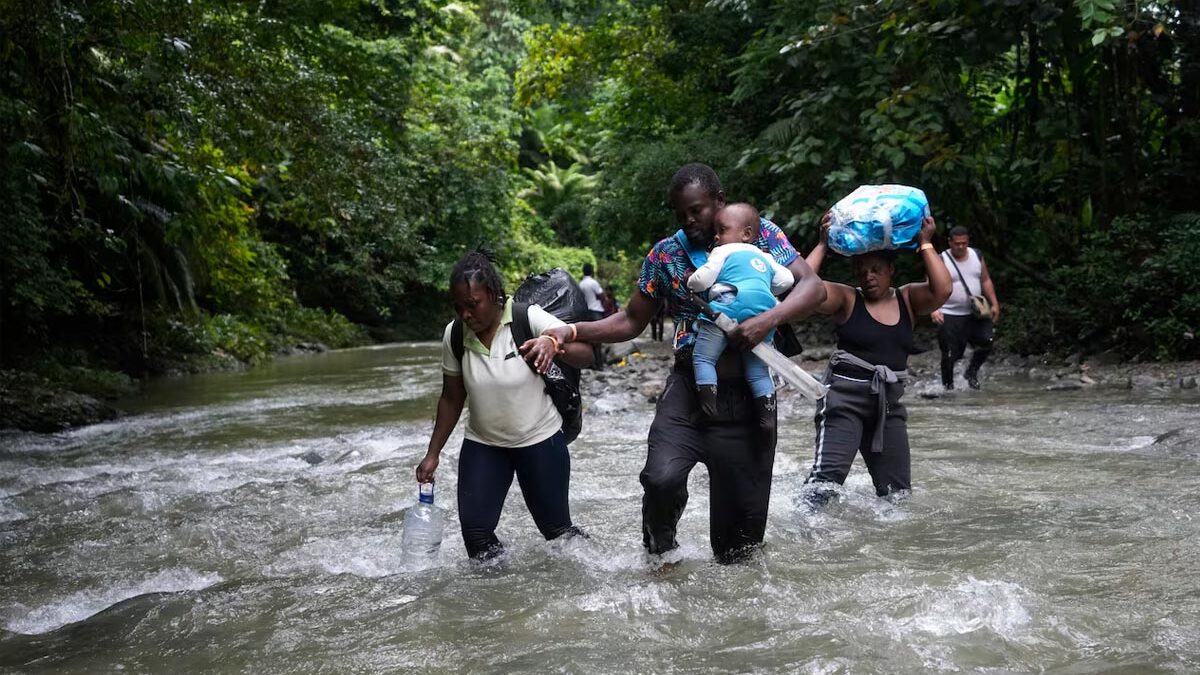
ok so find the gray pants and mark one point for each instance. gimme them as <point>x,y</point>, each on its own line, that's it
<point>845,422</point>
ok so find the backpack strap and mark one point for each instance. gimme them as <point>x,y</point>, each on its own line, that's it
<point>456,339</point>
<point>521,331</point>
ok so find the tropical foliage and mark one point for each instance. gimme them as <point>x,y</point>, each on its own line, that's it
<point>248,173</point>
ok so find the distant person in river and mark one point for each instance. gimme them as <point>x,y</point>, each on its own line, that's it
<point>862,412</point>
<point>740,281</point>
<point>656,322</point>
<point>960,322</point>
<point>609,302</point>
<point>514,427</point>
<point>739,459</point>
<point>593,294</point>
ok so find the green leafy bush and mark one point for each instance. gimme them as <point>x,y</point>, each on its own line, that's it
<point>1134,288</point>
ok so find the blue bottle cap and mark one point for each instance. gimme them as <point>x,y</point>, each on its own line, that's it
<point>425,493</point>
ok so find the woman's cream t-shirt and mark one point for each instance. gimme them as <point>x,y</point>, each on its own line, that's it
<point>506,400</point>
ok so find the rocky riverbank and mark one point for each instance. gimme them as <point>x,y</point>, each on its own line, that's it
<point>641,366</point>
<point>59,398</point>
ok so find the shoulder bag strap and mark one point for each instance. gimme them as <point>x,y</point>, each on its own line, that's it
<point>950,256</point>
<point>456,339</point>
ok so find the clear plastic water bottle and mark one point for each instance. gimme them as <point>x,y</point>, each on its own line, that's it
<point>423,530</point>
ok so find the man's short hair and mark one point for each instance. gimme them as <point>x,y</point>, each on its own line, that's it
<point>959,230</point>
<point>694,174</point>
<point>588,269</point>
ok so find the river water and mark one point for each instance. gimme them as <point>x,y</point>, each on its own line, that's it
<point>1048,532</point>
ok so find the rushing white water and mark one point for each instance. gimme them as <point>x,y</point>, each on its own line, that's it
<point>253,520</point>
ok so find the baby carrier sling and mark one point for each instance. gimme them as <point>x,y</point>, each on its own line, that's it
<point>786,341</point>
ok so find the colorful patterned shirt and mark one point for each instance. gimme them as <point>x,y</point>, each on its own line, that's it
<point>667,264</point>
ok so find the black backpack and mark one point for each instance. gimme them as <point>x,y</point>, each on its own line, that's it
<point>562,380</point>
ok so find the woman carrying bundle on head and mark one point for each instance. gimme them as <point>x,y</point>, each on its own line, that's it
<point>514,427</point>
<point>862,411</point>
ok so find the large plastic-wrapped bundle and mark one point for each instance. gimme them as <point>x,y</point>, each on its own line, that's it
<point>556,292</point>
<point>877,218</point>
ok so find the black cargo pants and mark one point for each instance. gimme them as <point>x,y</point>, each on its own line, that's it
<point>738,458</point>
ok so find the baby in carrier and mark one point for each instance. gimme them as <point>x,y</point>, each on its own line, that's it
<point>742,282</point>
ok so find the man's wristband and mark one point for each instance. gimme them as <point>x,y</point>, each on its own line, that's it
<point>924,246</point>
<point>574,332</point>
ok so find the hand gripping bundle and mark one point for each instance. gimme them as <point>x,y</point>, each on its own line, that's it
<point>877,218</point>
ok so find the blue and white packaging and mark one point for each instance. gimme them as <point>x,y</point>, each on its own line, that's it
<point>877,218</point>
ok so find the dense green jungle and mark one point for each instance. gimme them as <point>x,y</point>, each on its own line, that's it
<point>189,185</point>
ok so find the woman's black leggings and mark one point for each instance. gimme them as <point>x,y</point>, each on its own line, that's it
<point>485,473</point>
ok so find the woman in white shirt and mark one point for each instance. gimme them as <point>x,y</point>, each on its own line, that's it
<point>513,428</point>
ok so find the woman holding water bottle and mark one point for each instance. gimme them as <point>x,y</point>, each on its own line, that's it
<point>513,428</point>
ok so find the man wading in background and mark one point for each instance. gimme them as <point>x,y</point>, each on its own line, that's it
<point>959,320</point>
<point>739,459</point>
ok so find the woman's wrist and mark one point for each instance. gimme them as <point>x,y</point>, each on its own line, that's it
<point>924,247</point>
<point>561,334</point>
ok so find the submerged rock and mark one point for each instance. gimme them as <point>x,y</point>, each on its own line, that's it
<point>1146,381</point>
<point>312,457</point>
<point>615,352</point>
<point>304,348</point>
<point>1166,436</point>
<point>606,404</point>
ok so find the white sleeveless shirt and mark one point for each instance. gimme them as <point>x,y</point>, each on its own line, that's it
<point>959,302</point>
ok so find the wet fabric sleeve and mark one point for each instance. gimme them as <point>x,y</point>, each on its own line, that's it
<point>450,365</point>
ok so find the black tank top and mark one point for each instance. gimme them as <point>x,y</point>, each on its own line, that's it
<point>875,342</point>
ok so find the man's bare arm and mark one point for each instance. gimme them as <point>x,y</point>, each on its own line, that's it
<point>624,325</point>
<point>989,289</point>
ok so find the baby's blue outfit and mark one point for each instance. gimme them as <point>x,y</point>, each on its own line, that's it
<point>749,275</point>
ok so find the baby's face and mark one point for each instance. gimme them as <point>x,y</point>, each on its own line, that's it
<point>730,230</point>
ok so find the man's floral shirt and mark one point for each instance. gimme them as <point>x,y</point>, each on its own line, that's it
<point>667,265</point>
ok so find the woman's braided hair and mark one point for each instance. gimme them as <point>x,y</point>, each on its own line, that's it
<point>478,267</point>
